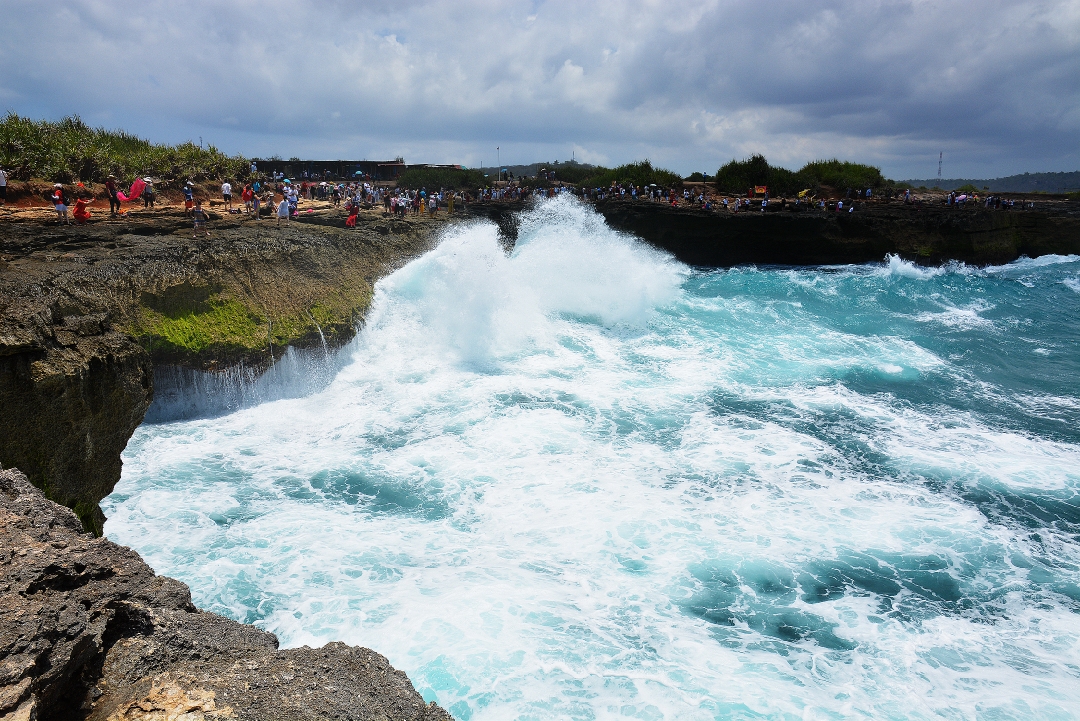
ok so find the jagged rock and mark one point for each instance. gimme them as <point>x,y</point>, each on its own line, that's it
<point>88,631</point>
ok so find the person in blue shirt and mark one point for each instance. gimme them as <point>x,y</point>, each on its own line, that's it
<point>189,198</point>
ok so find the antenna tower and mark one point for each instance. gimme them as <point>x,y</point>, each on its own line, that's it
<point>939,157</point>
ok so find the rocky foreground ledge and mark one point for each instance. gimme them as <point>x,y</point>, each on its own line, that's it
<point>88,631</point>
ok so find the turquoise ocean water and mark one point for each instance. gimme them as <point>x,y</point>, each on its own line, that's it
<point>584,481</point>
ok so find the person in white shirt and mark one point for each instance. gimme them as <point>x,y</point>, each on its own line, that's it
<point>226,194</point>
<point>3,187</point>
<point>282,211</point>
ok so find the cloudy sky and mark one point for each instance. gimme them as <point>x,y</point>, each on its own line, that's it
<point>690,85</point>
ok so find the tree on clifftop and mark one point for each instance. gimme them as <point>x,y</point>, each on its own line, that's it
<point>740,175</point>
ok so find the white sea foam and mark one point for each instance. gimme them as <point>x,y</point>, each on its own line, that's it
<point>1025,263</point>
<point>964,318</point>
<point>569,483</point>
<point>898,267</point>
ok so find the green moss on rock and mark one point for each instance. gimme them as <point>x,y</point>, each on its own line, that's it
<point>196,324</point>
<point>219,323</point>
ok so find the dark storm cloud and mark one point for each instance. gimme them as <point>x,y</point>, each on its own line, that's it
<point>995,85</point>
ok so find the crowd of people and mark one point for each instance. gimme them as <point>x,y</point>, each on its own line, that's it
<point>957,199</point>
<point>353,196</point>
<point>280,197</point>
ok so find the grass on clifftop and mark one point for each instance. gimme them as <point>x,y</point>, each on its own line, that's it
<point>68,150</point>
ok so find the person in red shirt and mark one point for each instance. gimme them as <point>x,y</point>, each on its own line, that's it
<point>60,203</point>
<point>81,214</point>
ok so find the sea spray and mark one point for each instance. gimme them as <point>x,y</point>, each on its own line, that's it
<point>583,481</point>
<point>184,393</point>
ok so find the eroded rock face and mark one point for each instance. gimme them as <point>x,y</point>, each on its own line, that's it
<point>82,309</point>
<point>925,234</point>
<point>88,631</point>
<point>70,401</point>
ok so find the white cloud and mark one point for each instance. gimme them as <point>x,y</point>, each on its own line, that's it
<point>994,84</point>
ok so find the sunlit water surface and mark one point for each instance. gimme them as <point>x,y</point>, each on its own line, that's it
<point>585,481</point>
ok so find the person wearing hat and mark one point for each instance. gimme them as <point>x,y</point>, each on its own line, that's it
<point>189,197</point>
<point>60,203</point>
<point>148,192</point>
<point>114,202</point>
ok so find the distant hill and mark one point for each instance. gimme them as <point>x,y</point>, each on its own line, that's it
<point>1026,183</point>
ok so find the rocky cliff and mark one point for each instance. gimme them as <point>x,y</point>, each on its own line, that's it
<point>88,631</point>
<point>929,234</point>
<point>86,312</point>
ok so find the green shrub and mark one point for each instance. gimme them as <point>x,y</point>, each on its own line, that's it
<point>641,173</point>
<point>575,173</point>
<point>843,174</point>
<point>69,150</point>
<point>738,176</point>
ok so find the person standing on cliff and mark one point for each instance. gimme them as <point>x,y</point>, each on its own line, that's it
<point>283,210</point>
<point>114,202</point>
<point>60,203</point>
<point>189,197</point>
<point>200,217</point>
<point>148,192</point>
<point>226,195</point>
<point>294,200</point>
<point>3,187</point>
